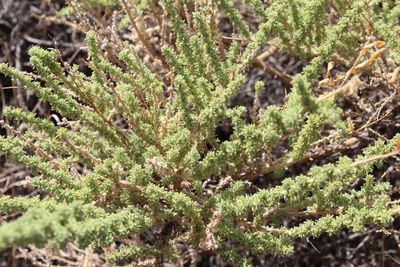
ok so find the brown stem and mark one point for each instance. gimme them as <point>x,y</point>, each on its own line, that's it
<point>142,34</point>
<point>284,78</point>
<point>373,158</point>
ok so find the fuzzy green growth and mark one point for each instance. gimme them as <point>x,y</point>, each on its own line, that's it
<point>147,141</point>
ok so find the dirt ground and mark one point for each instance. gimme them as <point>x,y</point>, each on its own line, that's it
<point>24,23</point>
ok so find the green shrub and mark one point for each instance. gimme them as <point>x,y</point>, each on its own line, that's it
<point>145,131</point>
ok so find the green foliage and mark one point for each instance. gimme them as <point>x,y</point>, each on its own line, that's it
<point>149,146</point>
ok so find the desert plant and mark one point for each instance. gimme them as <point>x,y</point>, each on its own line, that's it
<point>136,149</point>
